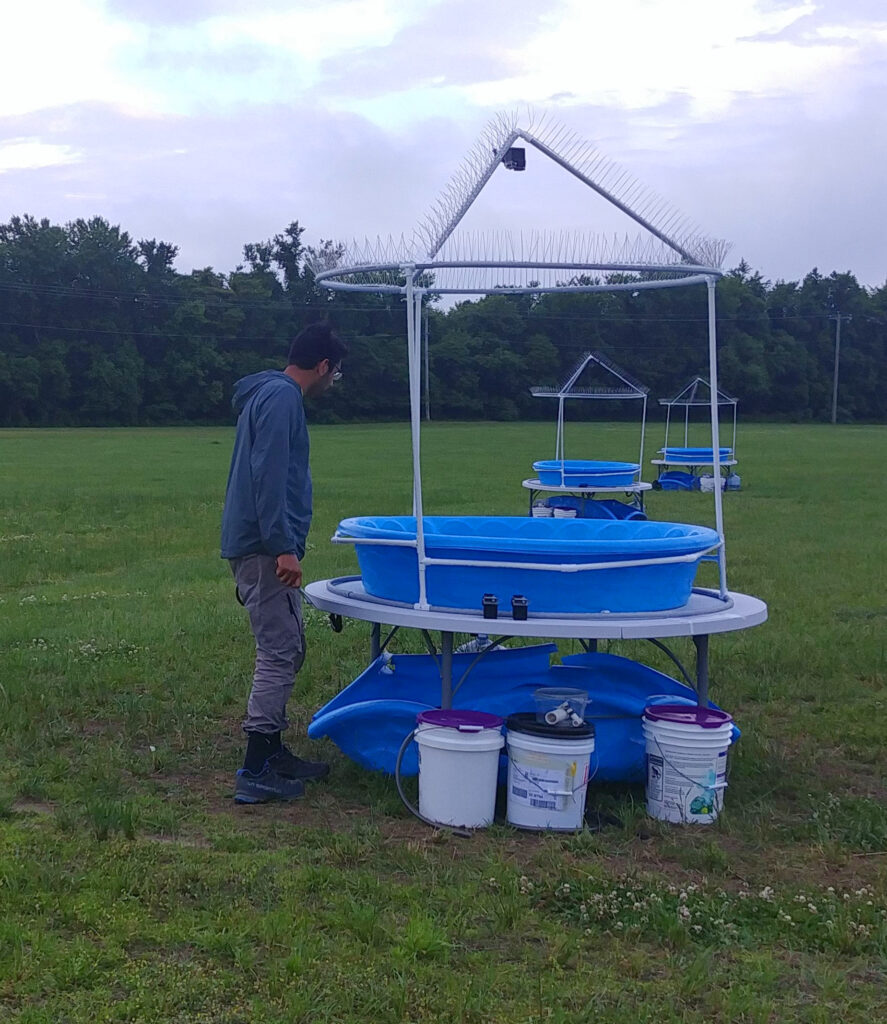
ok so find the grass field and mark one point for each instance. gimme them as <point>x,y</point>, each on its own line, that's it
<point>132,889</point>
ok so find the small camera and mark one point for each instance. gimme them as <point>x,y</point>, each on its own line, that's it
<point>515,159</point>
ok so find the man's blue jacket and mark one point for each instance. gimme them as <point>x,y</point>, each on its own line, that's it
<point>268,500</point>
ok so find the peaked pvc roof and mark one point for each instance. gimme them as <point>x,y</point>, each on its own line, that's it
<point>668,244</point>
<point>570,389</point>
<point>690,395</point>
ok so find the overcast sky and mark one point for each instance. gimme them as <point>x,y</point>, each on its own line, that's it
<point>212,123</point>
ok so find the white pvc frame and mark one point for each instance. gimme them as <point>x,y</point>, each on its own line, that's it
<point>563,393</point>
<point>682,275</point>
<point>677,401</point>
<point>694,556</point>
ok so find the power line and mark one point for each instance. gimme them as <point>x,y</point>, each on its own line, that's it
<point>626,318</point>
<point>160,335</point>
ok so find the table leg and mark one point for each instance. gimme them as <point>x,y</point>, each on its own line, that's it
<point>701,643</point>
<point>376,641</point>
<point>446,670</point>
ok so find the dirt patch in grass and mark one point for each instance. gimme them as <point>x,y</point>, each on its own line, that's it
<point>675,858</point>
<point>38,807</point>
<point>99,727</point>
<point>193,841</point>
<point>729,859</point>
<point>850,778</point>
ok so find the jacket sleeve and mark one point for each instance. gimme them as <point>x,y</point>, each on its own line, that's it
<point>269,462</point>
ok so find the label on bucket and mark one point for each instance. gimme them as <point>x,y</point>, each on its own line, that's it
<point>654,777</point>
<point>545,788</point>
<point>686,785</point>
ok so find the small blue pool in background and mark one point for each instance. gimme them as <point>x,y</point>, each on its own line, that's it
<point>694,456</point>
<point>390,572</point>
<point>583,473</point>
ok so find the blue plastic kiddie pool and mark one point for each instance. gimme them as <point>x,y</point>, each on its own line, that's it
<point>579,473</point>
<point>505,543</point>
<point>694,456</point>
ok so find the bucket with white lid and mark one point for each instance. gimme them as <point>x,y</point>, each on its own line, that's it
<point>458,766</point>
<point>548,773</point>
<point>686,761</point>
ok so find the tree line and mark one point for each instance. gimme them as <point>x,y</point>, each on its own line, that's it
<point>99,329</point>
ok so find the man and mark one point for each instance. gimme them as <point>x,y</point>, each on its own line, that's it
<point>264,529</point>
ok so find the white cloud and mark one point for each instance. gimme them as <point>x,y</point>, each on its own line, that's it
<point>62,51</point>
<point>311,32</point>
<point>637,54</point>
<point>75,51</point>
<point>30,154</point>
<point>633,55</point>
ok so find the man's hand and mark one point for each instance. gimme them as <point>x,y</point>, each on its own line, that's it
<point>289,570</point>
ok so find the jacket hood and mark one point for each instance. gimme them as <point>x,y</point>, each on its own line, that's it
<point>247,386</point>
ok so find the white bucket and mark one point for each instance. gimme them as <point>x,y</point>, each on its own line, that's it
<point>686,762</point>
<point>707,482</point>
<point>458,766</point>
<point>547,774</point>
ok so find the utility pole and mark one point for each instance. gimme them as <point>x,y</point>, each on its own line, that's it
<point>837,317</point>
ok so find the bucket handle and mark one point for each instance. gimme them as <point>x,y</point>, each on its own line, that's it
<point>693,782</point>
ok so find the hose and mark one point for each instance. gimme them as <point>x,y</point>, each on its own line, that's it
<point>460,833</point>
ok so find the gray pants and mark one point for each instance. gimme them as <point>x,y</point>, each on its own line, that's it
<point>275,615</point>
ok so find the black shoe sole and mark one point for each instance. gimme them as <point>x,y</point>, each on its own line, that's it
<point>306,778</point>
<point>241,799</point>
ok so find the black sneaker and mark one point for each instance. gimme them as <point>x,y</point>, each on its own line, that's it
<point>285,763</point>
<point>268,784</point>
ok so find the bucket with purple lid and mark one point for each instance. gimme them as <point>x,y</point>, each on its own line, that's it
<point>458,766</point>
<point>686,749</point>
<point>463,721</point>
<point>688,714</point>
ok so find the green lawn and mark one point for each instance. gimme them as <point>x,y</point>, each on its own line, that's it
<point>132,889</point>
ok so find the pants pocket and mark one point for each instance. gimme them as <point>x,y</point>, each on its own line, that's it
<point>295,607</point>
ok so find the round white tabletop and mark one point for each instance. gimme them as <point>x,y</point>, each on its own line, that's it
<point>704,614</point>
<point>535,485</point>
<point>690,464</point>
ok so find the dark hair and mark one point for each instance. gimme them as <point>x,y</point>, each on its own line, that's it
<point>314,344</point>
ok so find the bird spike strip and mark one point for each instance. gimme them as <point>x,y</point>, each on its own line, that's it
<point>494,258</point>
<point>624,375</point>
<point>581,158</point>
<point>558,250</point>
<point>698,393</point>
